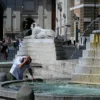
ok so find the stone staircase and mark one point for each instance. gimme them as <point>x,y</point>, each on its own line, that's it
<point>88,69</point>
<point>58,70</point>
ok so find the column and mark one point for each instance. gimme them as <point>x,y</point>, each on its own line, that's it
<point>74,30</point>
<point>49,13</point>
<point>18,19</point>
<point>45,13</point>
<point>9,20</point>
<point>40,12</point>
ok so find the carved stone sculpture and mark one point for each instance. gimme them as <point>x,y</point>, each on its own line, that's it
<point>39,33</point>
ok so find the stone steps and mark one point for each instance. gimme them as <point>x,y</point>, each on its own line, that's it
<point>92,45</point>
<point>87,70</point>
<point>58,69</point>
<point>91,53</point>
<point>89,61</point>
<point>93,78</point>
<point>50,74</point>
<point>40,45</point>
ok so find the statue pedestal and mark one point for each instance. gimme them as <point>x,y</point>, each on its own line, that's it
<point>40,50</point>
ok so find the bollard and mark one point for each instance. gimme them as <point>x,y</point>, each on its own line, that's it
<point>3,77</point>
<point>25,93</point>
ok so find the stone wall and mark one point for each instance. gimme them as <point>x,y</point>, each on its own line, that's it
<point>18,10</point>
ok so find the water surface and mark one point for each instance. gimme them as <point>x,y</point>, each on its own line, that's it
<point>58,88</point>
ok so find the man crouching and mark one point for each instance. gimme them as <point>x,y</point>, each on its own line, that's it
<point>19,66</point>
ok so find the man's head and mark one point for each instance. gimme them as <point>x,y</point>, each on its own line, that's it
<point>33,25</point>
<point>27,59</point>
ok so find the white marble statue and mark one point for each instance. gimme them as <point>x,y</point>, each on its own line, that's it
<point>39,33</point>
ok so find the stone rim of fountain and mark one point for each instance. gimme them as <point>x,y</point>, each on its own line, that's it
<point>84,83</point>
<point>12,94</point>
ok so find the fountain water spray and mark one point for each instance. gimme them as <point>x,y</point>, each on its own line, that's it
<point>96,20</point>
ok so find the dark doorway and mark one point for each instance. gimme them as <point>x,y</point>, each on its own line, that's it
<point>1,22</point>
<point>53,14</point>
<point>27,23</point>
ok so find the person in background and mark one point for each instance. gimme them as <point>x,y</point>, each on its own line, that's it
<point>85,40</point>
<point>17,44</point>
<point>20,43</point>
<point>9,41</point>
<point>4,50</point>
<point>19,66</point>
<point>0,43</point>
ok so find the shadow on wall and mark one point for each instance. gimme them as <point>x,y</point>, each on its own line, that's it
<point>60,51</point>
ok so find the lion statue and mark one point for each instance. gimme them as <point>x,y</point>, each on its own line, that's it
<point>39,33</point>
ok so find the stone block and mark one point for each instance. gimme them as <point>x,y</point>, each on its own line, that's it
<point>88,53</point>
<point>3,77</point>
<point>25,93</point>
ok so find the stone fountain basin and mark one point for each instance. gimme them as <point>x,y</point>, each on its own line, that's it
<point>92,93</point>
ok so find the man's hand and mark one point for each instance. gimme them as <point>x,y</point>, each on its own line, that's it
<point>25,61</point>
<point>32,78</point>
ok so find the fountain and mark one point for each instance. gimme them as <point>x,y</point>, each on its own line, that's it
<point>85,81</point>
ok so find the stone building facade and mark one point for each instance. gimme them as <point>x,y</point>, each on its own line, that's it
<point>14,12</point>
<point>63,18</point>
<point>83,12</point>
